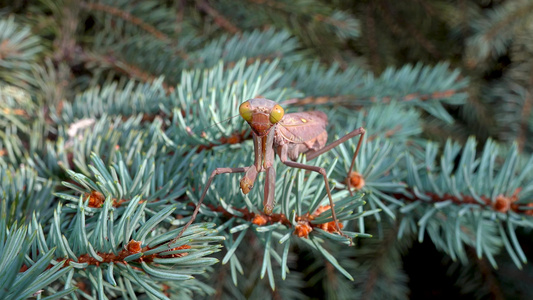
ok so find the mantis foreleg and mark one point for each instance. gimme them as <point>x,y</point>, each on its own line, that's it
<point>215,172</point>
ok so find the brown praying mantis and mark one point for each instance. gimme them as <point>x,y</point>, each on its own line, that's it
<point>288,135</point>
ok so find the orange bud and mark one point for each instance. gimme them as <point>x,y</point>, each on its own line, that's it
<point>134,246</point>
<point>303,229</point>
<point>181,248</point>
<point>502,204</point>
<point>259,220</point>
<point>356,180</point>
<point>330,226</point>
<point>96,199</point>
<point>321,209</point>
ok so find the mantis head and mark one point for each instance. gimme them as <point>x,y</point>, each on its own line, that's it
<point>261,114</point>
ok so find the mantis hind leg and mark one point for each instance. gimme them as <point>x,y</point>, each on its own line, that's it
<point>359,131</point>
<point>321,171</point>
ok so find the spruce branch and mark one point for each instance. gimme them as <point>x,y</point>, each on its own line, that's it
<point>314,25</point>
<point>16,109</point>
<point>19,50</point>
<point>113,224</point>
<point>477,277</point>
<point>218,17</point>
<point>113,114</point>
<point>495,31</point>
<point>197,88</point>
<point>375,263</point>
<point>471,200</point>
<point>410,30</point>
<point>35,273</point>
<point>371,41</point>
<point>254,45</point>
<point>23,194</point>
<point>456,196</point>
<point>126,16</point>
<point>52,82</point>
<point>341,23</point>
<point>415,85</point>
<point>65,42</point>
<point>150,19</point>
<point>121,67</point>
<point>11,148</point>
<point>512,96</point>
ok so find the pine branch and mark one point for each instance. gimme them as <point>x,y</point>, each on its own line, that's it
<point>382,275</point>
<point>126,16</point>
<point>113,114</point>
<point>146,247</point>
<point>371,37</point>
<point>495,31</point>
<point>218,17</point>
<point>414,84</point>
<point>389,15</point>
<point>65,42</point>
<point>505,184</point>
<point>34,274</point>
<point>256,46</point>
<point>511,96</point>
<point>324,20</point>
<point>19,50</point>
<point>477,277</point>
<point>121,67</point>
<point>524,117</point>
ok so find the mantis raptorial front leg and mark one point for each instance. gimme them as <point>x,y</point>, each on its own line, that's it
<point>215,172</point>
<point>288,135</point>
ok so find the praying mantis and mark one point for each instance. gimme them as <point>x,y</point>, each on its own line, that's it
<point>287,135</point>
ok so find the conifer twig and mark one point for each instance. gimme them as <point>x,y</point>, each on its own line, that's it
<point>371,37</point>
<point>411,30</point>
<point>222,21</point>
<point>383,99</point>
<point>122,67</point>
<point>115,11</point>
<point>525,115</point>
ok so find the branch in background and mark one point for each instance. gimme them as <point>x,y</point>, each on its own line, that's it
<point>495,31</point>
<point>121,67</point>
<point>329,20</point>
<point>127,17</point>
<point>117,12</point>
<point>378,265</point>
<point>371,34</point>
<point>387,99</point>
<point>510,18</point>
<point>525,116</point>
<point>66,43</point>
<point>223,22</point>
<point>486,272</point>
<point>388,14</point>
<point>502,203</point>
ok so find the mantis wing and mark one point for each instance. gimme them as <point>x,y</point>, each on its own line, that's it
<point>303,131</point>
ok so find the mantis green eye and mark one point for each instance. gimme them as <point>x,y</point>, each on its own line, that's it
<point>276,114</point>
<point>246,111</point>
